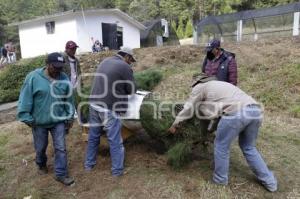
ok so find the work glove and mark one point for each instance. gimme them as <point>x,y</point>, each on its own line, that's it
<point>213,125</point>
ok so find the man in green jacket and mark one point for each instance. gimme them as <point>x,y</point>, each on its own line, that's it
<point>46,104</point>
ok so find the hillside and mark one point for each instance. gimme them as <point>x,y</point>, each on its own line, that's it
<point>269,71</point>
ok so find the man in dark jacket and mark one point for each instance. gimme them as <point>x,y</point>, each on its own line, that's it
<point>72,66</point>
<point>4,53</point>
<point>220,63</point>
<point>113,83</point>
<point>72,69</point>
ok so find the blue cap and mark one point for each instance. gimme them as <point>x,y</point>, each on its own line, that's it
<point>215,43</point>
<point>56,59</point>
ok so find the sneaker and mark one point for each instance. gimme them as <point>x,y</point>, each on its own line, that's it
<point>65,180</point>
<point>42,170</point>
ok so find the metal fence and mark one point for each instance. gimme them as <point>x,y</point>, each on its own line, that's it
<point>250,25</point>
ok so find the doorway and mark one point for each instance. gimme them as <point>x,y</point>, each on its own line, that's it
<point>119,36</point>
<point>112,36</point>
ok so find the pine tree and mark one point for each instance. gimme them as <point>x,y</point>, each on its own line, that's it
<point>180,30</point>
<point>189,29</point>
<point>123,4</point>
<point>144,10</point>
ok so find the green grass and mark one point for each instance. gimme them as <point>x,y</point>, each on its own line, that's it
<point>275,87</point>
<point>295,111</point>
<point>3,142</point>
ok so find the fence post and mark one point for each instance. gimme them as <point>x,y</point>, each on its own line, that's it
<point>255,36</point>
<point>239,31</point>
<point>296,24</point>
<point>195,36</point>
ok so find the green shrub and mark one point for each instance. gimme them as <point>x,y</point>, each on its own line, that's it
<point>12,77</point>
<point>180,29</point>
<point>9,95</point>
<point>189,29</point>
<point>148,79</point>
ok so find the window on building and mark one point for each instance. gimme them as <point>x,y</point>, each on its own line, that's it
<point>50,27</point>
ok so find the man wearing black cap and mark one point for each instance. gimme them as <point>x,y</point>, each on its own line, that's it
<point>46,104</point>
<point>220,63</point>
<point>113,83</point>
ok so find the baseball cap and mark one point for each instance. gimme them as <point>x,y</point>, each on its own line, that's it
<point>71,44</point>
<point>56,59</point>
<point>128,51</point>
<point>202,78</point>
<point>215,43</point>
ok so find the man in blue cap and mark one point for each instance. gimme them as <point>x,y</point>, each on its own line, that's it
<point>46,104</point>
<point>220,63</point>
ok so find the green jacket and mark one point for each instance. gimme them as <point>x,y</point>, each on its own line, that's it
<point>45,103</point>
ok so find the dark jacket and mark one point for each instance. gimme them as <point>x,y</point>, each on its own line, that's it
<point>224,68</point>
<point>67,68</point>
<point>109,89</point>
<point>3,52</point>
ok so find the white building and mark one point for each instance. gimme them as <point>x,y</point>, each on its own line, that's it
<point>47,34</point>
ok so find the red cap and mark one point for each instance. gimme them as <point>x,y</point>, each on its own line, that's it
<point>71,44</point>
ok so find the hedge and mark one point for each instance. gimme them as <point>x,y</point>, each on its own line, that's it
<point>13,75</point>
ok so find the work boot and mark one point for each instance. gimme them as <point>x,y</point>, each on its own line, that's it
<point>42,170</point>
<point>88,169</point>
<point>65,180</point>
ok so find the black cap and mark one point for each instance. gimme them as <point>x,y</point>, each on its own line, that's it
<point>56,59</point>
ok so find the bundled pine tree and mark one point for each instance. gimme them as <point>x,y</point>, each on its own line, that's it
<point>157,117</point>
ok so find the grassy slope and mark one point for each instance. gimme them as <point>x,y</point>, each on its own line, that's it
<point>265,72</point>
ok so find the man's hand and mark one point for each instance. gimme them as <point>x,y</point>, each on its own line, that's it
<point>29,124</point>
<point>172,129</point>
<point>68,125</point>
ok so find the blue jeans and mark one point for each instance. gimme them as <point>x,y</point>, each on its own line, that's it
<point>40,139</point>
<point>108,122</point>
<point>243,124</point>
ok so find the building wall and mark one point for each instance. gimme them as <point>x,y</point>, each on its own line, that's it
<point>92,27</point>
<point>35,41</point>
